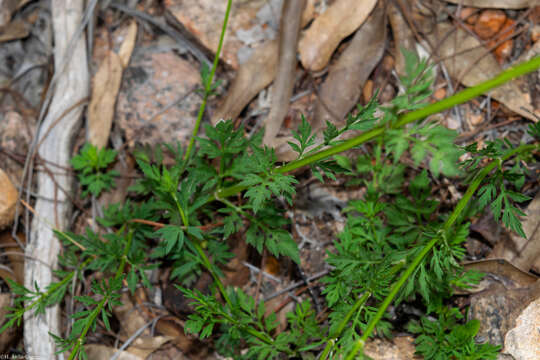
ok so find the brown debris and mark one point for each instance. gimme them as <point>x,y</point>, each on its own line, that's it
<point>489,23</point>
<point>340,20</point>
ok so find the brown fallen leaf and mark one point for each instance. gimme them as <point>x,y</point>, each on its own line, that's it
<point>497,4</point>
<point>16,29</point>
<point>8,200</point>
<point>10,334</point>
<point>14,254</point>
<point>498,270</point>
<point>467,60</point>
<point>342,88</point>
<point>105,87</point>
<point>145,345</point>
<point>289,31</point>
<point>126,49</point>
<point>100,352</point>
<point>7,8</point>
<point>340,20</point>
<point>253,76</point>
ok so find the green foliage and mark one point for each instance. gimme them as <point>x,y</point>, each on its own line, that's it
<point>398,244</point>
<point>91,165</point>
<point>444,338</point>
<point>243,322</point>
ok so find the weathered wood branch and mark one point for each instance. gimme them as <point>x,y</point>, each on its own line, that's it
<point>55,138</point>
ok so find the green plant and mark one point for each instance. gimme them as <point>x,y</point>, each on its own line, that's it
<point>444,338</point>
<point>399,243</point>
<point>91,166</point>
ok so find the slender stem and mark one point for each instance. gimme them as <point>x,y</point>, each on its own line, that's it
<point>333,337</point>
<point>196,244</point>
<point>103,302</point>
<point>456,99</point>
<point>208,85</point>
<point>477,181</point>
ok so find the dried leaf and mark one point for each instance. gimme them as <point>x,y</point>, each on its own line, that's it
<point>99,352</point>
<point>467,60</point>
<point>340,20</point>
<point>343,86</point>
<point>14,254</point>
<point>16,29</point>
<point>145,345</point>
<point>105,87</point>
<point>252,76</point>
<point>129,43</point>
<point>497,4</point>
<point>7,337</point>
<point>499,270</point>
<point>8,200</point>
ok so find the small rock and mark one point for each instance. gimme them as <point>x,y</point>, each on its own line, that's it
<point>400,348</point>
<point>157,102</point>
<point>489,23</point>
<point>8,200</point>
<point>523,341</point>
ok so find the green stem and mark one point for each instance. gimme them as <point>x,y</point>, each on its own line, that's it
<point>334,337</point>
<point>477,181</point>
<point>456,99</point>
<point>208,85</point>
<point>198,248</point>
<point>103,302</point>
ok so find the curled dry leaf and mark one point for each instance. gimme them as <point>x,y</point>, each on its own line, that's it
<point>466,60</point>
<point>14,254</point>
<point>16,29</point>
<point>253,76</point>
<point>105,87</point>
<point>8,200</point>
<point>497,4</point>
<point>498,270</point>
<point>340,20</point>
<point>343,86</point>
